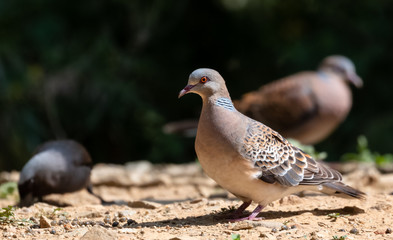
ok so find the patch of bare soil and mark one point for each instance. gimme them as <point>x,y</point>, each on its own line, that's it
<point>180,202</point>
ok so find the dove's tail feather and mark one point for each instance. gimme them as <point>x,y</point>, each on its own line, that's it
<point>342,190</point>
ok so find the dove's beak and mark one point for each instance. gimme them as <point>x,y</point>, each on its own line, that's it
<point>185,90</point>
<point>355,79</point>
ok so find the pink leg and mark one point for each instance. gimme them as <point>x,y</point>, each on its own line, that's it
<point>253,215</point>
<point>240,210</point>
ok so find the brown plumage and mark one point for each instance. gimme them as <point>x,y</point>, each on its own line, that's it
<point>248,158</point>
<point>306,106</point>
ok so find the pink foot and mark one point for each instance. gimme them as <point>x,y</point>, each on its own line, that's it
<point>253,215</point>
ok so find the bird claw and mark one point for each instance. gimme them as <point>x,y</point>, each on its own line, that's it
<point>252,217</point>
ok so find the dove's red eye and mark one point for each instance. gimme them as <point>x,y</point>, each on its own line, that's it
<point>203,79</point>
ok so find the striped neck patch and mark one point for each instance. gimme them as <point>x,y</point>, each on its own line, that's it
<point>225,103</point>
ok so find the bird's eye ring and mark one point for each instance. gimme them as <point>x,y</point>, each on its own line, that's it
<point>203,79</point>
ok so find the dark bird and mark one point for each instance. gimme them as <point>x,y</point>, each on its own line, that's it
<point>60,166</point>
<point>306,106</point>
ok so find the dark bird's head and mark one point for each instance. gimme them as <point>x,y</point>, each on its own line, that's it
<point>26,193</point>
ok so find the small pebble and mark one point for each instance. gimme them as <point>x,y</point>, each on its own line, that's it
<point>115,219</point>
<point>67,226</point>
<point>107,212</point>
<point>61,222</point>
<point>293,227</point>
<point>123,219</point>
<point>354,231</point>
<point>341,230</point>
<point>44,222</point>
<point>101,223</point>
<point>388,231</point>
<point>53,231</point>
<point>53,223</point>
<point>284,227</point>
<point>35,226</point>
<point>115,224</point>
<point>274,230</point>
<point>130,221</point>
<point>33,219</point>
<point>92,223</point>
<point>107,219</point>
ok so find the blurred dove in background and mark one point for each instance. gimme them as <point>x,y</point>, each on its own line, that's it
<point>306,106</point>
<point>60,166</point>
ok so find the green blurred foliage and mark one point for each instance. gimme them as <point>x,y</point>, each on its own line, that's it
<point>8,189</point>
<point>107,73</point>
<point>7,214</point>
<point>235,236</point>
<point>364,154</point>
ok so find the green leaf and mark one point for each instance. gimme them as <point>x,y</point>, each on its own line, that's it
<point>6,214</point>
<point>235,236</point>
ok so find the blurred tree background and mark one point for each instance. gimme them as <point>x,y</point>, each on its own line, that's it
<point>107,73</point>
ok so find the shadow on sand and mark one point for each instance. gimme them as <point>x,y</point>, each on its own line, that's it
<point>222,217</point>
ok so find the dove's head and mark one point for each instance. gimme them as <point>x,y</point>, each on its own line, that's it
<point>342,66</point>
<point>205,82</point>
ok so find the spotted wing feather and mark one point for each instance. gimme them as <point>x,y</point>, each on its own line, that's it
<point>280,161</point>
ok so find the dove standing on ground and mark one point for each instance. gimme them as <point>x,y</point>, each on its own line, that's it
<point>60,166</point>
<point>306,106</point>
<point>248,158</point>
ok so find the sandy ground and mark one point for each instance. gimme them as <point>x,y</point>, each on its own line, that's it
<point>179,202</point>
